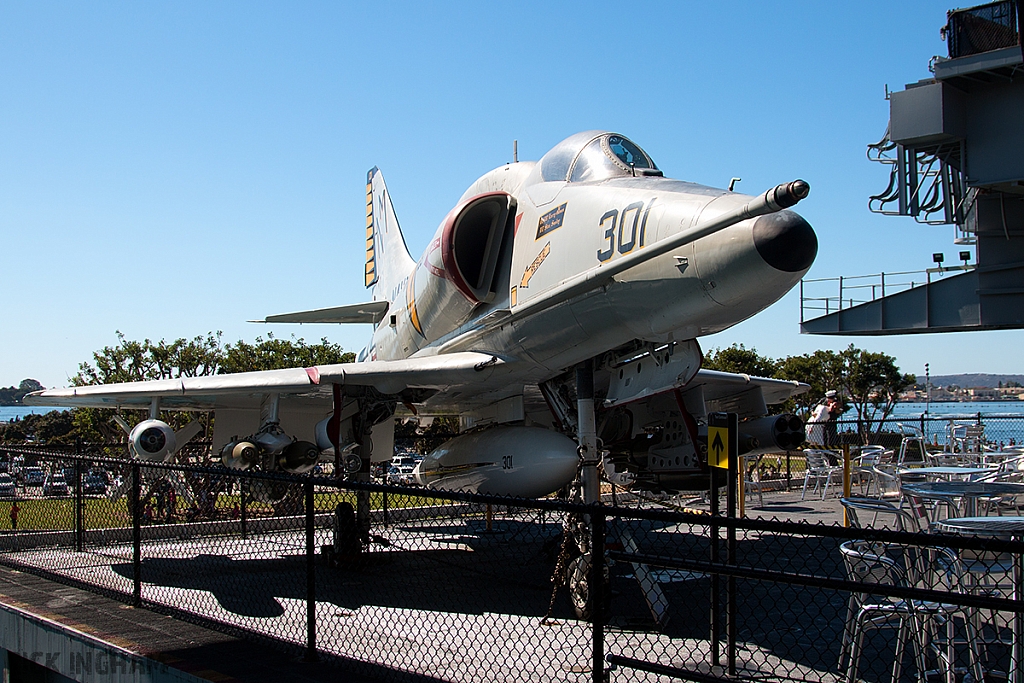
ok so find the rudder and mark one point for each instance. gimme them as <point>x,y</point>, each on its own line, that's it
<point>387,256</point>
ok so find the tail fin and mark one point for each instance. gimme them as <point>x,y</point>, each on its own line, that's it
<point>387,257</point>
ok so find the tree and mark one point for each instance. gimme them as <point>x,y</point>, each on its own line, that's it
<point>276,354</point>
<point>822,370</point>
<point>52,427</point>
<point>132,361</point>
<point>738,358</point>
<point>872,382</point>
<point>11,396</point>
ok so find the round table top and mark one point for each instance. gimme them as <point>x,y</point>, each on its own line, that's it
<point>965,488</point>
<point>949,469</point>
<point>996,526</point>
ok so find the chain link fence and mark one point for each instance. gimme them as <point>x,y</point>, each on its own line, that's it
<point>405,583</point>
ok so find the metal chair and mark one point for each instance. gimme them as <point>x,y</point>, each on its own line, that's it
<point>752,478</point>
<point>864,467</point>
<point>819,467</point>
<point>867,563</point>
<point>916,620</point>
<point>896,518</point>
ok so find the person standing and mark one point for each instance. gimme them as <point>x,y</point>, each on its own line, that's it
<point>835,409</point>
<point>15,509</point>
<point>816,424</point>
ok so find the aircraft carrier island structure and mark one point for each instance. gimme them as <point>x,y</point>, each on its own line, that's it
<point>955,152</point>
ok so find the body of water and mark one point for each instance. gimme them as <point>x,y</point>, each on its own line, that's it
<point>957,409</point>
<point>8,413</point>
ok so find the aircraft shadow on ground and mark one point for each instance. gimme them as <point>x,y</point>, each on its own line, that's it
<point>442,568</point>
<point>460,569</point>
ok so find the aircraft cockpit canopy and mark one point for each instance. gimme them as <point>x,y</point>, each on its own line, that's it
<point>594,156</point>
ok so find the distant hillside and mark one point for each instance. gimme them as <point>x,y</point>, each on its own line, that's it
<point>974,379</point>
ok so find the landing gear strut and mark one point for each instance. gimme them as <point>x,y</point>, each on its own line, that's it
<point>577,570</point>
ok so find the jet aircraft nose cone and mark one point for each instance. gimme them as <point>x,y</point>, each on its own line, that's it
<point>785,241</point>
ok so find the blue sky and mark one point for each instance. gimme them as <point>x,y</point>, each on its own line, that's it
<point>170,169</point>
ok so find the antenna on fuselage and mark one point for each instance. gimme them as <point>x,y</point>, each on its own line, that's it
<point>515,151</point>
<point>732,183</point>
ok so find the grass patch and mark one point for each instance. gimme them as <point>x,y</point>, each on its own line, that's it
<point>58,514</point>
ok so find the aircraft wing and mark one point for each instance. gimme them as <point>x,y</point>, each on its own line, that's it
<point>246,389</point>
<point>745,395</point>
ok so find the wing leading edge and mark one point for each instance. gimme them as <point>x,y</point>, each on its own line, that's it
<point>245,389</point>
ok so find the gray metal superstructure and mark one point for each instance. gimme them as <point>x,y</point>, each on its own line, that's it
<point>955,150</point>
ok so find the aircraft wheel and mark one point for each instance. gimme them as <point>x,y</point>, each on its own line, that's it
<point>578,581</point>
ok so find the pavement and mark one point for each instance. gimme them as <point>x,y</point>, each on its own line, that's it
<point>446,599</point>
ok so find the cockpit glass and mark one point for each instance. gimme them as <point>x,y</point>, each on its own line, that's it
<point>627,152</point>
<point>609,156</point>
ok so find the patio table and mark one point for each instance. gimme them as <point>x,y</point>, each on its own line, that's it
<point>968,491</point>
<point>948,472</point>
<point>1001,527</point>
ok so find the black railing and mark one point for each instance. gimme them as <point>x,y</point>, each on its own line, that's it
<point>996,431</point>
<point>982,28</point>
<point>455,587</point>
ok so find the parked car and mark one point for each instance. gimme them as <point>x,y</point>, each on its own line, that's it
<point>401,475</point>
<point>7,486</point>
<point>94,484</point>
<point>33,476</point>
<point>55,485</point>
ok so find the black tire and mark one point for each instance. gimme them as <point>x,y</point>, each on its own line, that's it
<point>577,578</point>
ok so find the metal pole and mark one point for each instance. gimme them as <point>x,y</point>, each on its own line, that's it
<point>716,579</point>
<point>596,580</point>
<point>310,574</point>
<point>731,605</point>
<point>79,506</point>
<point>846,479</point>
<point>243,504</point>
<point>384,508</point>
<point>136,536</point>
<point>840,292</point>
<point>1017,628</point>
<point>801,300</point>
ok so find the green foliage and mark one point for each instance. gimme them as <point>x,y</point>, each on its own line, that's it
<point>56,426</point>
<point>277,354</point>
<point>11,396</point>
<point>823,370</point>
<point>133,361</point>
<point>872,381</point>
<point>868,382</point>
<point>738,358</point>
<point>425,440</point>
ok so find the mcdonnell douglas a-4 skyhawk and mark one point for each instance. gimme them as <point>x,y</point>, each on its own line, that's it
<point>555,312</point>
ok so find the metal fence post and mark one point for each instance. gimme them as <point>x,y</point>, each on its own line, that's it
<point>384,508</point>
<point>789,472</point>
<point>597,587</point>
<point>1017,627</point>
<point>310,574</point>
<point>79,504</point>
<point>731,606</point>
<point>136,536</point>
<point>242,502</point>
<point>716,578</point>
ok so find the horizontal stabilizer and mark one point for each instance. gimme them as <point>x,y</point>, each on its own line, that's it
<point>370,312</point>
